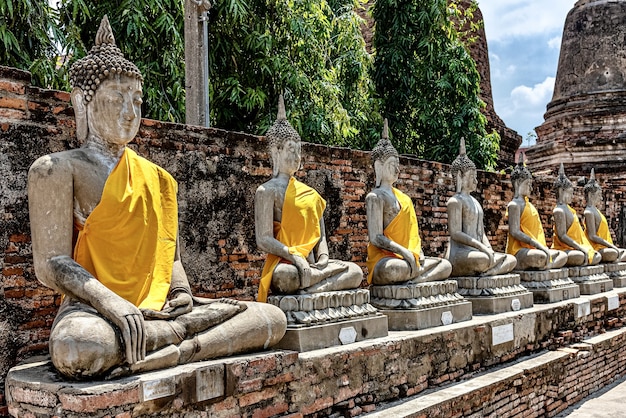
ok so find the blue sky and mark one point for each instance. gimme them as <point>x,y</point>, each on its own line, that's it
<point>524,40</point>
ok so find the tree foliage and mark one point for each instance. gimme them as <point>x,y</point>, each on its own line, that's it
<point>428,83</point>
<point>28,29</point>
<point>312,50</point>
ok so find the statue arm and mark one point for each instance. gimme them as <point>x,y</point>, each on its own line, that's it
<point>375,231</point>
<point>592,229</point>
<point>51,216</point>
<point>516,231</point>
<point>455,227</point>
<point>560,223</point>
<point>321,249</point>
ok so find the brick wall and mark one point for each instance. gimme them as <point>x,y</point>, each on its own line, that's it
<point>217,171</point>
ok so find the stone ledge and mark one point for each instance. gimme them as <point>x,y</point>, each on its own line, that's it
<point>359,375</point>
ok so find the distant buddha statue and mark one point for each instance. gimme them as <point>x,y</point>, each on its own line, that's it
<point>104,224</point>
<point>394,253</point>
<point>596,226</point>
<point>469,250</point>
<point>526,239</point>
<point>568,233</point>
<point>289,224</point>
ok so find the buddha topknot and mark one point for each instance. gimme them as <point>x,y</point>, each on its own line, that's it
<point>592,185</point>
<point>462,164</point>
<point>384,149</point>
<point>103,60</point>
<point>562,182</point>
<point>520,173</point>
<point>281,131</point>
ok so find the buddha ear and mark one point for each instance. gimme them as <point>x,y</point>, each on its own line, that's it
<point>459,181</point>
<point>275,161</point>
<point>80,112</point>
<point>378,170</point>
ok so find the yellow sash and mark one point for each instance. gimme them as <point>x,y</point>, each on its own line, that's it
<point>603,232</point>
<point>299,229</point>
<point>530,224</point>
<point>128,242</point>
<point>576,233</point>
<point>402,230</point>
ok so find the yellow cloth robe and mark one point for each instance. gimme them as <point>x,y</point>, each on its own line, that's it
<point>603,232</point>
<point>128,242</point>
<point>299,228</point>
<point>403,230</point>
<point>530,224</point>
<point>575,232</point>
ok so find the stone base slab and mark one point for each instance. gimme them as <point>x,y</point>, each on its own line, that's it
<point>495,294</point>
<point>414,319</point>
<point>549,286</point>
<point>591,279</point>
<point>410,296</point>
<point>334,334</point>
<point>617,273</point>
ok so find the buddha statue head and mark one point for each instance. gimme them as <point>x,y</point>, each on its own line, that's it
<point>284,143</point>
<point>106,91</point>
<point>464,170</point>
<point>385,156</point>
<point>592,190</point>
<point>521,178</point>
<point>563,187</point>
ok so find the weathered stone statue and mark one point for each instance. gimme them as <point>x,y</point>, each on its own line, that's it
<point>526,239</point>
<point>289,223</point>
<point>394,253</point>
<point>469,250</point>
<point>568,233</point>
<point>104,225</point>
<point>596,226</point>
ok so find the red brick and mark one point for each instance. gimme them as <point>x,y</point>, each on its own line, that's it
<point>256,397</point>
<point>13,103</point>
<point>93,403</point>
<point>270,411</point>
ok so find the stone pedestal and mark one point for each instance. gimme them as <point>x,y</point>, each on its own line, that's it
<point>321,320</point>
<point>549,286</point>
<point>495,294</point>
<point>590,279</point>
<point>617,273</point>
<point>414,306</point>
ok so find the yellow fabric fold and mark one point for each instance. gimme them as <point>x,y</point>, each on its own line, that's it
<point>403,230</point>
<point>603,232</point>
<point>128,242</point>
<point>299,228</point>
<point>575,232</point>
<point>530,224</point>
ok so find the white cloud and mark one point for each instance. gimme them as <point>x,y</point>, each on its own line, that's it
<point>530,98</point>
<point>512,18</point>
<point>555,43</point>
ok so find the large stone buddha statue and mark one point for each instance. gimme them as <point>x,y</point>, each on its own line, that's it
<point>469,250</point>
<point>289,224</point>
<point>596,226</point>
<point>526,239</point>
<point>568,233</point>
<point>394,253</point>
<point>104,224</point>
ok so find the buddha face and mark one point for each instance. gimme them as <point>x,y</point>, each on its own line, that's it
<point>469,182</point>
<point>114,113</point>
<point>390,169</point>
<point>595,197</point>
<point>525,187</point>
<point>566,195</point>
<point>288,157</point>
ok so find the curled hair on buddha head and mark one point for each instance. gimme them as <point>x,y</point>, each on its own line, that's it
<point>461,164</point>
<point>562,182</point>
<point>279,133</point>
<point>591,186</point>
<point>383,150</point>
<point>520,172</point>
<point>104,60</point>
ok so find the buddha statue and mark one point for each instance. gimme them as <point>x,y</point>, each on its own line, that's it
<point>526,239</point>
<point>394,253</point>
<point>104,224</point>
<point>596,226</point>
<point>469,250</point>
<point>289,225</point>
<point>568,233</point>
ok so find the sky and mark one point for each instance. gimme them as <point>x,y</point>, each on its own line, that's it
<point>524,40</point>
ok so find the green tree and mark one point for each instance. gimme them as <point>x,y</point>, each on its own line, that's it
<point>428,82</point>
<point>312,50</point>
<point>149,33</point>
<point>28,29</point>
